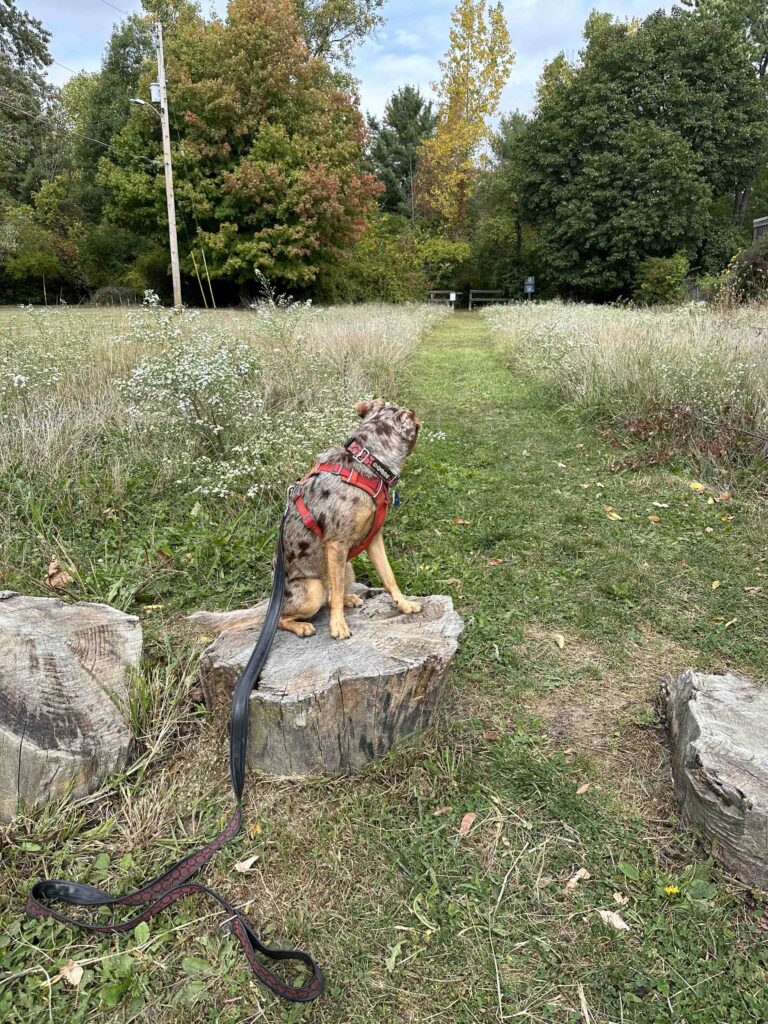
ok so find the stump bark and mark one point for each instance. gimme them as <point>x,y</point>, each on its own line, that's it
<point>324,706</point>
<point>62,669</point>
<point>719,731</point>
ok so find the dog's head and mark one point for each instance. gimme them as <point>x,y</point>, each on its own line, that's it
<point>389,421</point>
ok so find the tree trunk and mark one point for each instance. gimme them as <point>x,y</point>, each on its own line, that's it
<point>327,706</point>
<point>63,667</point>
<point>719,732</point>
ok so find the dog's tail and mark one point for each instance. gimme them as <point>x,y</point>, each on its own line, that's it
<point>218,622</point>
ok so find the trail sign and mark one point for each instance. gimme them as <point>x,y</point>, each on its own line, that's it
<point>530,285</point>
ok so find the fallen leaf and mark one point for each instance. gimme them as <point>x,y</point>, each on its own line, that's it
<point>442,810</point>
<point>394,953</point>
<point>620,899</point>
<point>696,486</point>
<point>710,501</point>
<point>753,590</point>
<point>654,519</point>
<point>585,788</point>
<point>491,735</point>
<point>462,522</point>
<point>244,866</point>
<point>708,529</point>
<point>727,519</point>
<point>71,972</point>
<point>254,830</point>
<point>585,487</point>
<point>467,822</point>
<point>715,584</point>
<point>725,496</point>
<point>559,640</point>
<point>610,917</point>
<point>731,622</point>
<point>613,516</point>
<point>573,882</point>
<point>57,577</point>
<point>454,583</point>
<point>496,561</point>
<point>569,751</point>
<point>660,504</point>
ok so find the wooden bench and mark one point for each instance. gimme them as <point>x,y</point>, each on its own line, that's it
<point>480,296</point>
<point>443,298</point>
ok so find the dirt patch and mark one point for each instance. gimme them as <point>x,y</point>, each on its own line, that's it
<point>610,713</point>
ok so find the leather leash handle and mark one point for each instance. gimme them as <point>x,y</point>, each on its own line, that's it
<point>174,884</point>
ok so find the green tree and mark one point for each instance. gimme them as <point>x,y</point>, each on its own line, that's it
<point>631,148</point>
<point>394,148</point>
<point>24,98</point>
<point>333,27</point>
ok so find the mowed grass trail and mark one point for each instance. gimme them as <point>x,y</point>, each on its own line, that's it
<point>551,737</point>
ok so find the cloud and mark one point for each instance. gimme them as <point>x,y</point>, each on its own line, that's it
<point>405,51</point>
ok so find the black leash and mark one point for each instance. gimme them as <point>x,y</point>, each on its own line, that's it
<point>173,885</point>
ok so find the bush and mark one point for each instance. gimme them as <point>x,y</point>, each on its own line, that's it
<point>747,275</point>
<point>661,280</point>
<point>384,266</point>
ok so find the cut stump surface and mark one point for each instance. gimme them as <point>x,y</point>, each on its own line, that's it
<point>719,731</point>
<point>326,706</point>
<point>62,669</point>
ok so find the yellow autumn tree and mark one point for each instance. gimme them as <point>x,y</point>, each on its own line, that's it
<point>474,71</point>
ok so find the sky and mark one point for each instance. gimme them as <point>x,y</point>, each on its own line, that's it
<point>405,51</point>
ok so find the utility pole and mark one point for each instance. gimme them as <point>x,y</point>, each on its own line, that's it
<point>158,33</point>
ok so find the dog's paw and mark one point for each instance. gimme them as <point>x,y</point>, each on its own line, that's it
<point>352,601</point>
<point>408,607</point>
<point>340,630</point>
<point>304,629</point>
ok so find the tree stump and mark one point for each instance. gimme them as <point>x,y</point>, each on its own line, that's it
<point>62,667</point>
<point>324,706</point>
<point>719,731</point>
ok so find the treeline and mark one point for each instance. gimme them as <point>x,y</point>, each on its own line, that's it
<point>641,165</point>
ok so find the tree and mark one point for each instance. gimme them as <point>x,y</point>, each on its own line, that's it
<point>631,148</point>
<point>333,27</point>
<point>268,149</point>
<point>475,70</point>
<point>24,95</point>
<point>394,148</point>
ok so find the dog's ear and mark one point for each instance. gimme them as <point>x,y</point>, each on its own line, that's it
<point>364,408</point>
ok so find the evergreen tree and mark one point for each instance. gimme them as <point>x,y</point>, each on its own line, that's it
<point>394,149</point>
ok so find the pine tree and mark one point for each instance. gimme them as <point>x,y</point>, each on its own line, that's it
<point>394,150</point>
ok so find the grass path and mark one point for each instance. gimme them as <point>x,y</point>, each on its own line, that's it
<point>571,619</point>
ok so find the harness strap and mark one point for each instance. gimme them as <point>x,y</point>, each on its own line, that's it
<point>173,885</point>
<point>377,488</point>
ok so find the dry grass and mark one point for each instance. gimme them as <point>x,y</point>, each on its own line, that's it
<point>612,361</point>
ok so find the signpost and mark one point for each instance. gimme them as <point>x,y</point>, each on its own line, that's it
<point>530,286</point>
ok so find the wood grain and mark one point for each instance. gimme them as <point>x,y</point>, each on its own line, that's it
<point>327,706</point>
<point>64,672</point>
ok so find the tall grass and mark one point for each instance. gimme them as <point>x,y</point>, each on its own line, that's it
<point>115,415</point>
<point>703,370</point>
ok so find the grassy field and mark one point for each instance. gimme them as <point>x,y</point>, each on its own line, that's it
<point>551,736</point>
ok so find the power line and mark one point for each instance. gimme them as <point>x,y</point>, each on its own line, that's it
<point>71,70</point>
<point>82,135</point>
<point>115,8</point>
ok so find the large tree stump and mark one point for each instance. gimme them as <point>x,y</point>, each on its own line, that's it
<point>719,730</point>
<point>327,706</point>
<point>62,667</point>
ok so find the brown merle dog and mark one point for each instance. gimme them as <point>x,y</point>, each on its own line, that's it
<point>317,568</point>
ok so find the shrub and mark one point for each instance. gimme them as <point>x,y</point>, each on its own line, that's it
<point>661,280</point>
<point>747,275</point>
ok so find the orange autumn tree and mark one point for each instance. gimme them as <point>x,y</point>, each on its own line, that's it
<point>268,148</point>
<point>475,70</point>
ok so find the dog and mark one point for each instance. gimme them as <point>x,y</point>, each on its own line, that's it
<point>336,511</point>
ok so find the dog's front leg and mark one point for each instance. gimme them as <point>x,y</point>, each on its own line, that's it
<point>336,563</point>
<point>378,557</point>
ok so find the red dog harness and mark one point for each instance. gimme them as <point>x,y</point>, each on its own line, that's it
<point>378,488</point>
